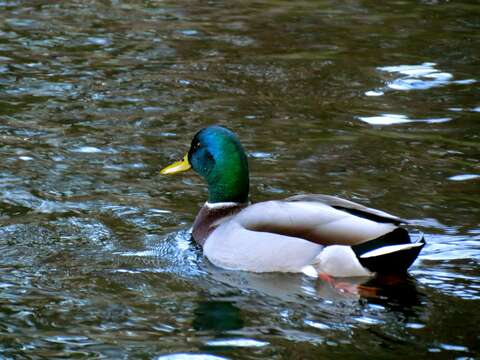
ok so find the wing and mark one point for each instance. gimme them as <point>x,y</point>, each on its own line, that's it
<point>350,207</point>
<point>316,221</point>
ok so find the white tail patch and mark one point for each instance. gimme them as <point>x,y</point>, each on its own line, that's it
<point>389,249</point>
<point>309,270</point>
<point>340,261</point>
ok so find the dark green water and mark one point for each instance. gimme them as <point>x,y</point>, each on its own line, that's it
<point>373,101</point>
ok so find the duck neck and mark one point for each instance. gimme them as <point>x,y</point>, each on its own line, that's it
<point>224,165</point>
<point>211,216</point>
<point>229,186</point>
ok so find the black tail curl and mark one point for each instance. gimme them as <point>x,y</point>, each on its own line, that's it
<point>394,262</point>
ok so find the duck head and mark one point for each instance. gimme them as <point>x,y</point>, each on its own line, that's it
<point>217,155</point>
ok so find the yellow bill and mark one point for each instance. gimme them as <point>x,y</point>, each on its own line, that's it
<point>176,167</point>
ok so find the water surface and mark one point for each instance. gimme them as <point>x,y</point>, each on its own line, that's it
<point>375,102</point>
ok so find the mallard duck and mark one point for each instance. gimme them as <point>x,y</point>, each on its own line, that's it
<point>314,234</point>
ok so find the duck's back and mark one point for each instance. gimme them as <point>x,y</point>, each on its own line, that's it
<point>288,235</point>
<point>319,219</point>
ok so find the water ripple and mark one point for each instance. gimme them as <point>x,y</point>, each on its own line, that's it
<point>190,356</point>
<point>418,77</point>
<point>395,119</point>
<point>96,259</point>
<point>236,343</point>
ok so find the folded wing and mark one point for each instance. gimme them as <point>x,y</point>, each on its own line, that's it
<point>322,219</point>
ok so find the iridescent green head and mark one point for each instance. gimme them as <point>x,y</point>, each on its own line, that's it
<point>217,156</point>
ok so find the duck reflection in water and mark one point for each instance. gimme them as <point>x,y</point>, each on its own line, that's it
<point>393,291</point>
<point>390,290</point>
<point>218,316</point>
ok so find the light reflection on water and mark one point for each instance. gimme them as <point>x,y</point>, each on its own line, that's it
<point>421,77</point>
<point>352,99</point>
